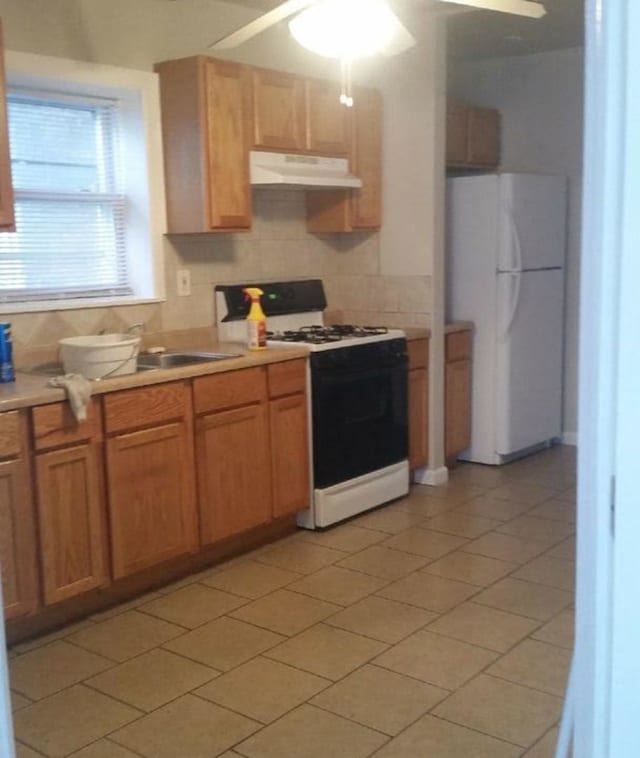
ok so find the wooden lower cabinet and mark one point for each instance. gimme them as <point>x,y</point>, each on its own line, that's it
<point>418,417</point>
<point>289,457</point>
<point>457,431</point>
<point>151,497</point>
<point>17,540</point>
<point>18,557</point>
<point>71,520</point>
<point>234,473</point>
<point>418,402</point>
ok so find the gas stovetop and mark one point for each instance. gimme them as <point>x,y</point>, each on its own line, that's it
<point>336,336</point>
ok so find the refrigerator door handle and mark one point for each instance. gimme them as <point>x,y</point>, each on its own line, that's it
<point>515,278</point>
<point>517,245</point>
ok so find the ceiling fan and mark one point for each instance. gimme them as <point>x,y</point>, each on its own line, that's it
<point>339,18</point>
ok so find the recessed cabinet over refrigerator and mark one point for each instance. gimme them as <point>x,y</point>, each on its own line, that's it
<point>506,250</point>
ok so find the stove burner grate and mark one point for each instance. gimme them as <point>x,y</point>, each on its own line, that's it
<point>319,335</point>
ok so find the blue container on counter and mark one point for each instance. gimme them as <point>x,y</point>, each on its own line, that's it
<point>6,354</point>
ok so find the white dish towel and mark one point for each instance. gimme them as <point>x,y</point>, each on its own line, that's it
<point>78,389</point>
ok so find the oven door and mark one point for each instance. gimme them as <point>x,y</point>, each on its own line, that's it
<point>359,416</point>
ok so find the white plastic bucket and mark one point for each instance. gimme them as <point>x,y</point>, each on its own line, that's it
<point>100,355</point>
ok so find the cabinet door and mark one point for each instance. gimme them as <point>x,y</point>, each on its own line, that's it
<point>457,133</point>
<point>151,497</point>
<point>484,137</point>
<point>6,191</point>
<point>17,540</point>
<point>71,521</point>
<point>234,472</point>
<point>348,210</point>
<point>367,160</point>
<point>289,454</point>
<point>457,408</point>
<point>228,117</point>
<point>327,120</point>
<point>279,110</point>
<point>418,417</point>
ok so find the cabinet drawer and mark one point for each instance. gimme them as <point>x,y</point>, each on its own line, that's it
<point>418,351</point>
<point>230,390</point>
<point>287,378</point>
<point>458,346</point>
<point>9,434</point>
<point>55,425</point>
<point>131,409</point>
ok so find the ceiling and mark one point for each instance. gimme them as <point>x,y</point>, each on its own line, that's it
<point>482,34</point>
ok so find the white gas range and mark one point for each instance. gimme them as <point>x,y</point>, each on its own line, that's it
<point>357,380</point>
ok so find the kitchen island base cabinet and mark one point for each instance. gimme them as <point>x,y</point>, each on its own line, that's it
<point>233,472</point>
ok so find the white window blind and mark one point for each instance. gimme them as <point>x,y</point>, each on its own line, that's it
<point>70,209</point>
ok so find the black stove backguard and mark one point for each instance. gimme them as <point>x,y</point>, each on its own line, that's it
<point>279,299</point>
<point>359,405</point>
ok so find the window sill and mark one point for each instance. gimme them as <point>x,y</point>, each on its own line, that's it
<point>76,304</point>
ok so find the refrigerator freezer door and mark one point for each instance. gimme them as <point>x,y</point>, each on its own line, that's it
<point>528,359</point>
<point>532,222</point>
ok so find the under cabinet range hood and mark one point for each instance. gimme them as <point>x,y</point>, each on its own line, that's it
<point>282,170</point>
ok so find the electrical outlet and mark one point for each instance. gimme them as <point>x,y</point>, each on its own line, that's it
<point>184,282</point>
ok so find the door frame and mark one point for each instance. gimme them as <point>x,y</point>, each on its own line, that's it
<point>607,656</point>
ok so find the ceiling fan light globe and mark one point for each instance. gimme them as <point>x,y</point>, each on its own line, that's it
<point>345,29</point>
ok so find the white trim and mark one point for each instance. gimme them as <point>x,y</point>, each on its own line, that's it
<point>139,99</point>
<point>570,438</point>
<point>431,476</point>
<point>606,658</point>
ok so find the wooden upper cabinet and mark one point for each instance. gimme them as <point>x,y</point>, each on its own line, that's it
<point>366,153</point>
<point>7,221</point>
<point>17,522</point>
<point>228,118</point>
<point>328,125</point>
<point>473,136</point>
<point>484,137</point>
<point>206,124</point>
<point>279,111</point>
<point>358,209</point>
<point>457,133</point>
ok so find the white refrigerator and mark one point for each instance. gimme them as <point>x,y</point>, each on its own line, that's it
<point>505,272</point>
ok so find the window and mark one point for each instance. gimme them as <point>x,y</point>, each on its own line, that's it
<point>89,221</point>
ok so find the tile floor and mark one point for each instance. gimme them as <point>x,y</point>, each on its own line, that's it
<point>440,625</point>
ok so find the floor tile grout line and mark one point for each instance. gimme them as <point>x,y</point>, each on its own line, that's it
<point>526,686</point>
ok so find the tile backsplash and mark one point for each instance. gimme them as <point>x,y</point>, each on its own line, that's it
<point>277,247</point>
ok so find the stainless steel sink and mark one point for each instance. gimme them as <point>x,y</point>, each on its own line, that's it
<point>172,360</point>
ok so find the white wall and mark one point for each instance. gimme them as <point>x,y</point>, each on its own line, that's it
<point>540,98</point>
